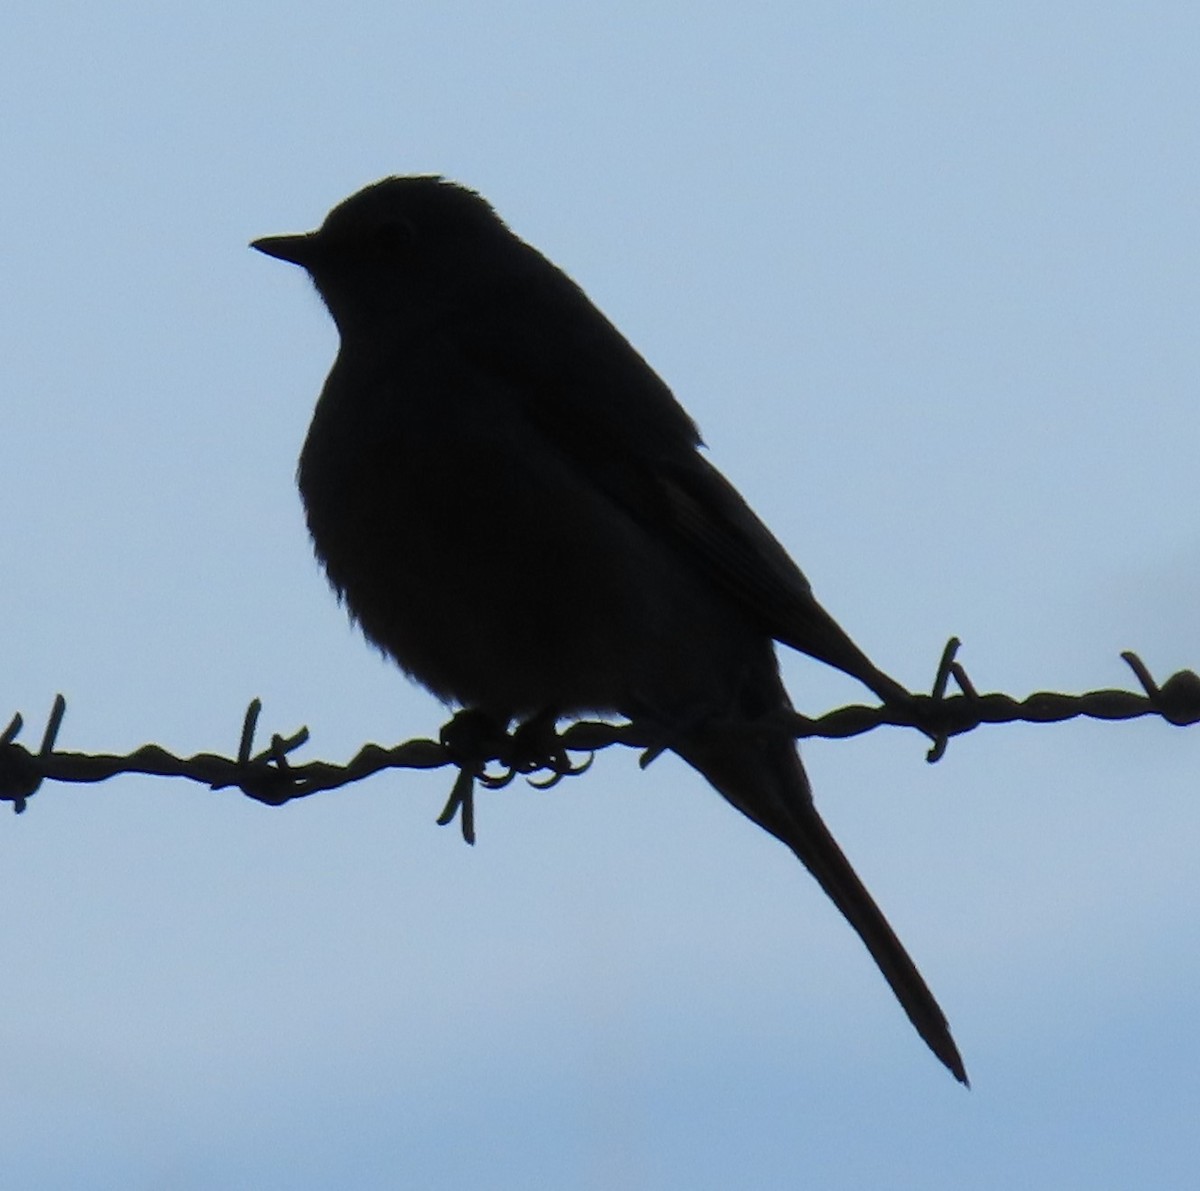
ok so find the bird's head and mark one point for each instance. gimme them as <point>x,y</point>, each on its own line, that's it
<point>399,247</point>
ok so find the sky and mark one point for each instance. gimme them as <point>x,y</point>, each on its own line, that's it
<point>926,275</point>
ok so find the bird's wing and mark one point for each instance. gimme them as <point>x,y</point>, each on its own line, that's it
<point>576,379</point>
<point>708,514</point>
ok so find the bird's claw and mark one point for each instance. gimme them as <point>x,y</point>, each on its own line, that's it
<point>473,739</point>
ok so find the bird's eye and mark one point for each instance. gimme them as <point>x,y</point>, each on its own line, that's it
<point>394,237</point>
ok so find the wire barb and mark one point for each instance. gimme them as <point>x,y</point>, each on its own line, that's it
<point>946,667</point>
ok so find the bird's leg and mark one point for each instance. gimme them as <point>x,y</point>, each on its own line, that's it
<point>474,736</point>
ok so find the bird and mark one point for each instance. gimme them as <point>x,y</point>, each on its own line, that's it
<point>514,507</point>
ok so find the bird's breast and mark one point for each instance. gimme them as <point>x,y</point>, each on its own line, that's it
<point>475,554</point>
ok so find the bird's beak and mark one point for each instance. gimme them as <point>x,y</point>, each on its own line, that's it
<point>298,250</point>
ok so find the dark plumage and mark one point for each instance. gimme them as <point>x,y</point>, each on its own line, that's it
<point>513,506</point>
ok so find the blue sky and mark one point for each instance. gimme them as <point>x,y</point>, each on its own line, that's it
<point>927,277</point>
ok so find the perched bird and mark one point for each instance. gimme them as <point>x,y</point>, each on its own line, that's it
<point>513,506</point>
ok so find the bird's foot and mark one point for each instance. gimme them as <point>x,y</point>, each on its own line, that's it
<point>473,739</point>
<point>536,745</point>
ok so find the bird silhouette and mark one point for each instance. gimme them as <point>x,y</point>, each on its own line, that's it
<point>514,507</point>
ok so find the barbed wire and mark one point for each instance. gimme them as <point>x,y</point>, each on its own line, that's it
<point>477,747</point>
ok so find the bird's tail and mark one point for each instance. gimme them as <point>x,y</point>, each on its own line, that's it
<point>763,777</point>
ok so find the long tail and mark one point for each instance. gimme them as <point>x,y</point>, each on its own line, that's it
<point>763,777</point>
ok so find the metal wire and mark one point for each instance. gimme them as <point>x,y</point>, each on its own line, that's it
<point>493,757</point>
